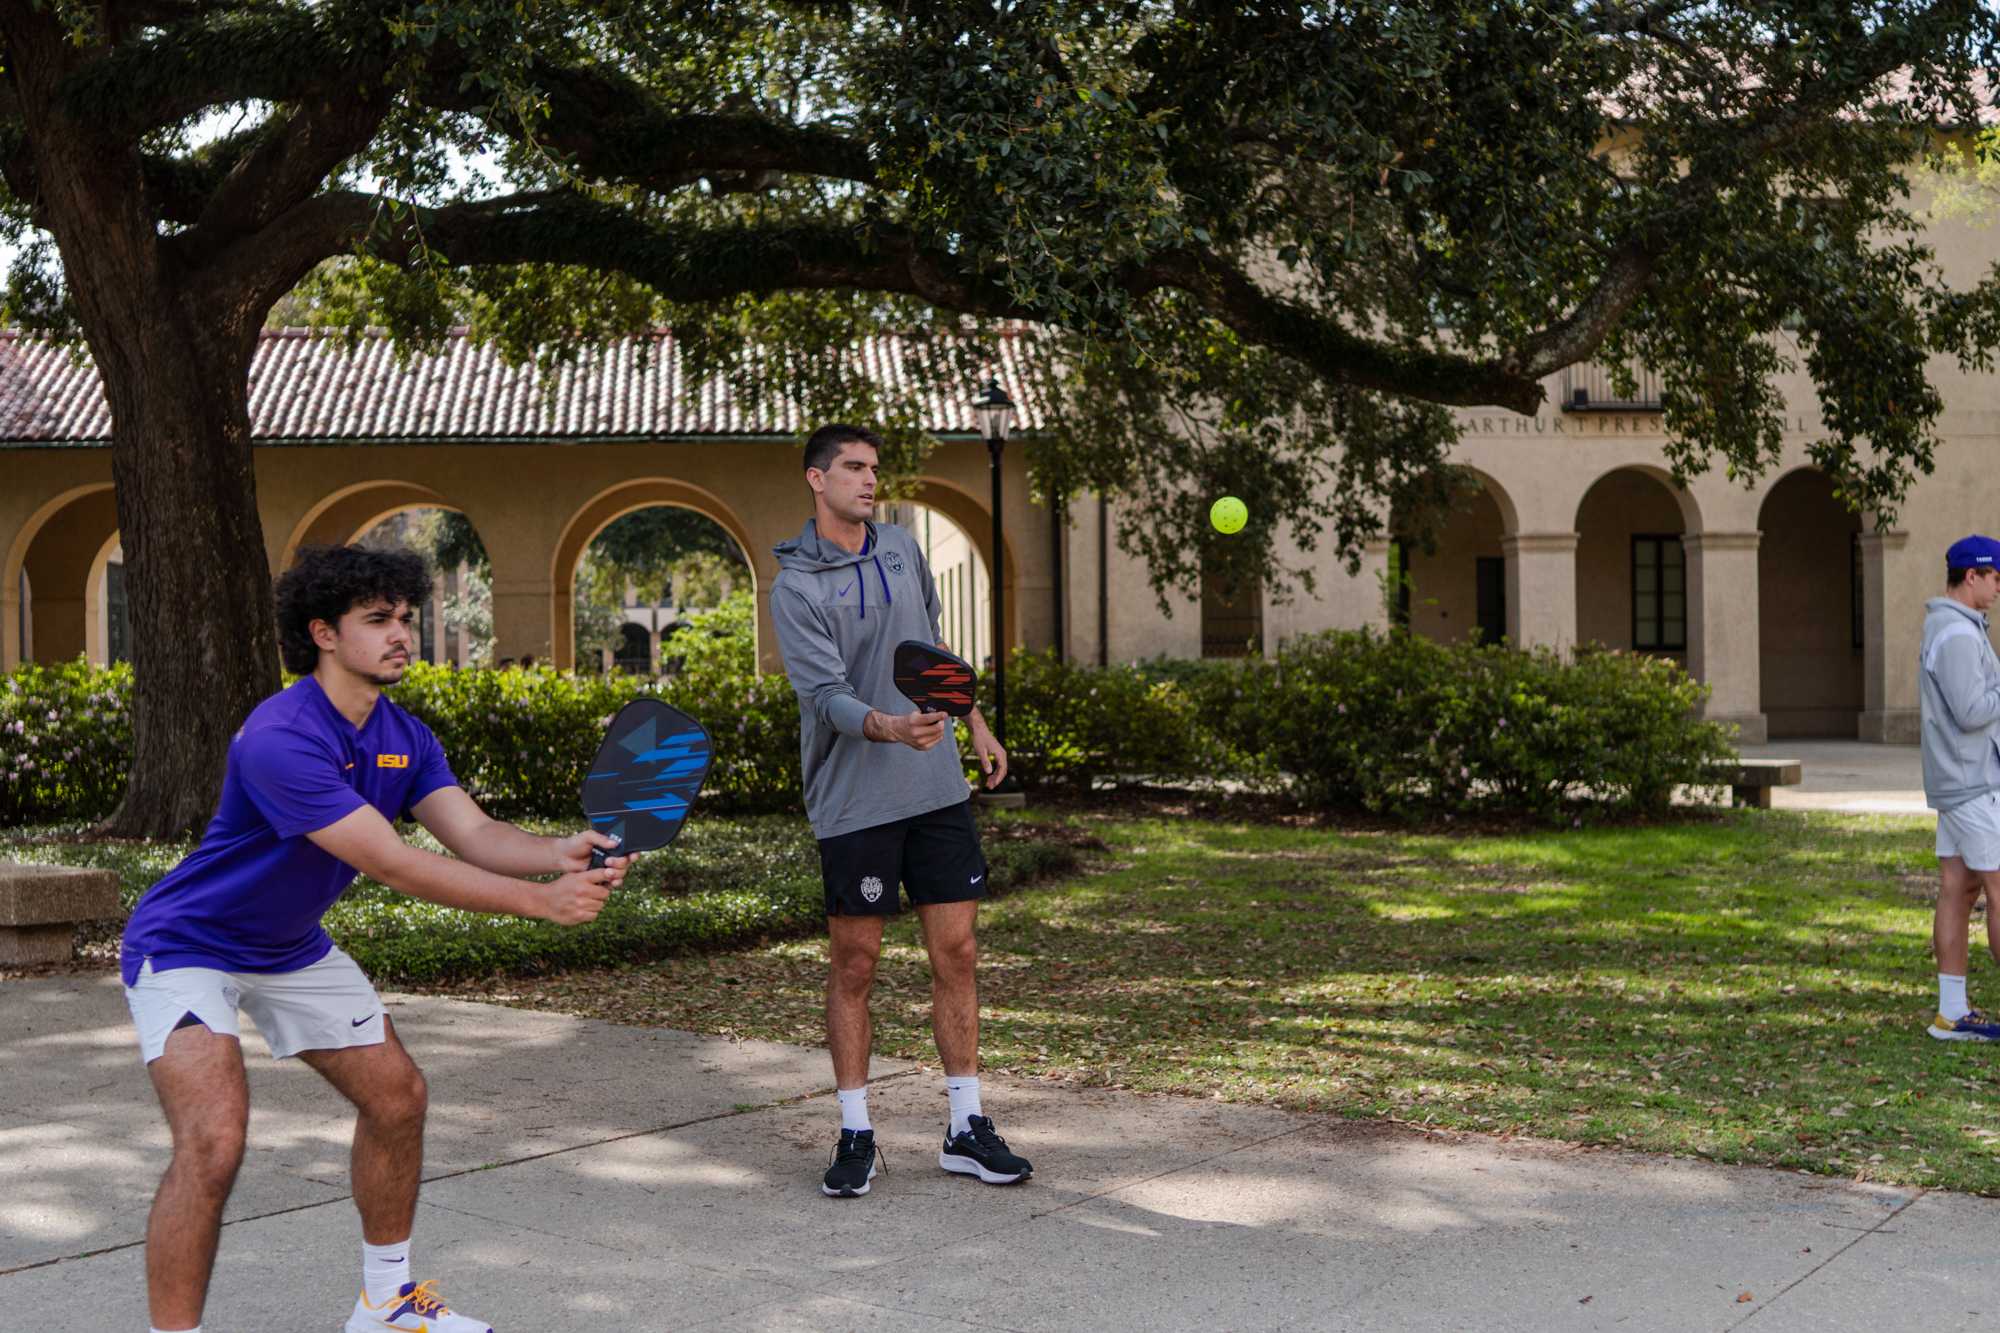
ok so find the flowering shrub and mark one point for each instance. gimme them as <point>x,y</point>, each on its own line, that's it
<point>65,741</point>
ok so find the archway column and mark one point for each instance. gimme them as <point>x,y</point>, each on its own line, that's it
<point>1724,646</point>
<point>521,616</point>
<point>11,646</point>
<point>1541,588</point>
<point>1889,680</point>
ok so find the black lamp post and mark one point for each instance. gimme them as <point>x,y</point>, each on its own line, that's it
<point>996,414</point>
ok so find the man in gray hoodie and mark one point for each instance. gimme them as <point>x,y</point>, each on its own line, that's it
<point>885,790</point>
<point>1958,684</point>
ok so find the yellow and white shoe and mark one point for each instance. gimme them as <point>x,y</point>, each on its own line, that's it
<point>1974,1026</point>
<point>414,1309</point>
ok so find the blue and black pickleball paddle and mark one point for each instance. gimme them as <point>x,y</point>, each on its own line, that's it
<point>645,777</point>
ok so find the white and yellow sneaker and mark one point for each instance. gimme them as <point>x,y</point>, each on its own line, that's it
<point>414,1309</point>
<point>1974,1026</point>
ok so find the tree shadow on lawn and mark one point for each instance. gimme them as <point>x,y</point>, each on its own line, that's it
<point>1763,1002</point>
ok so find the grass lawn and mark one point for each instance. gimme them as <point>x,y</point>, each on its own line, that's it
<point>726,882</point>
<point>1748,988</point>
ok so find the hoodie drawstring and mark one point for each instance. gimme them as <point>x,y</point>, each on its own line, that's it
<point>887,596</point>
<point>867,545</point>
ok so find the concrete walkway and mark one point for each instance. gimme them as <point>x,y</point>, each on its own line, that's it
<point>1849,776</point>
<point>586,1176</point>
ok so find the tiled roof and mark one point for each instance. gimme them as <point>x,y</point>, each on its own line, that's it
<point>308,387</point>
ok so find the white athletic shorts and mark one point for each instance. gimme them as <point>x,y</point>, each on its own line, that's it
<point>1972,831</point>
<point>328,1006</point>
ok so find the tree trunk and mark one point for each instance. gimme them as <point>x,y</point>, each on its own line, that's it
<point>204,631</point>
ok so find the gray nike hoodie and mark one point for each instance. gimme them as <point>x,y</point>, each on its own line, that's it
<point>839,616</point>
<point>1958,690</point>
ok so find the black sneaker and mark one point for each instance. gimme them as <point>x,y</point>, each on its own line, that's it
<point>853,1165</point>
<point>981,1152</point>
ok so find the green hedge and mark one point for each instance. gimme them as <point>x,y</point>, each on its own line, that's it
<point>1075,726</point>
<point>1387,723</point>
<point>521,741</point>
<point>1399,724</point>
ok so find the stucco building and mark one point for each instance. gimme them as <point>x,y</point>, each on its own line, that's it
<point>1802,618</point>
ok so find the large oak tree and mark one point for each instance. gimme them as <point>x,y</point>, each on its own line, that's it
<point>1254,246</point>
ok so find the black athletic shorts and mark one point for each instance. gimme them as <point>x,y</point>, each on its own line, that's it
<point>935,856</point>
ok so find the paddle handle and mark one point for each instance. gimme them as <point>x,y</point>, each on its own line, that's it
<point>597,858</point>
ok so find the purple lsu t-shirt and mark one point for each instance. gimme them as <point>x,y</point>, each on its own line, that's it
<point>250,897</point>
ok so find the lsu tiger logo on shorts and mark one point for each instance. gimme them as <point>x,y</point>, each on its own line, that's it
<point>392,761</point>
<point>871,889</point>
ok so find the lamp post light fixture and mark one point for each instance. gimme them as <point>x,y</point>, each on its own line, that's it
<point>996,416</point>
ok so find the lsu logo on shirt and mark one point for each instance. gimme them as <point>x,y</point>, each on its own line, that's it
<point>392,761</point>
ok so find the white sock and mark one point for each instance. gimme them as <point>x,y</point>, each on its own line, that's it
<point>853,1107</point>
<point>964,1093</point>
<point>1951,997</point>
<point>384,1270</point>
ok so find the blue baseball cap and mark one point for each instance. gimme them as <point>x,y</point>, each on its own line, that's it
<point>1974,552</point>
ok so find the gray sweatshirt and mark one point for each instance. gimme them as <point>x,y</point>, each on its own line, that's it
<point>839,617</point>
<point>1958,689</point>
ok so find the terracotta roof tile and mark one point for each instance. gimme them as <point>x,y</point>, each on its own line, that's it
<point>307,386</point>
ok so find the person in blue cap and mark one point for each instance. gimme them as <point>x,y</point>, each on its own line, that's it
<point>1958,687</point>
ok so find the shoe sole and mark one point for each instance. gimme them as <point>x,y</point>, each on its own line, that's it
<point>374,1326</point>
<point>1941,1035</point>
<point>848,1194</point>
<point>965,1166</point>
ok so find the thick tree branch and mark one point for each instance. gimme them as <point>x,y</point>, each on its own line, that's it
<point>289,159</point>
<point>611,127</point>
<point>265,54</point>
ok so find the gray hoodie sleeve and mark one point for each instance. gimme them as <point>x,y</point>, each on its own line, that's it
<point>1962,685</point>
<point>812,662</point>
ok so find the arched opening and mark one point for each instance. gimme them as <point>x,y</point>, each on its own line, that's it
<point>455,627</point>
<point>958,568</point>
<point>652,571</point>
<point>1811,641</point>
<point>52,567</point>
<point>635,649</point>
<point>592,519</point>
<point>975,520</point>
<point>1631,566</point>
<point>107,608</point>
<point>1455,586</point>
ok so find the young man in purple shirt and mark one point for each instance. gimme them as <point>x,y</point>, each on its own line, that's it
<point>315,779</point>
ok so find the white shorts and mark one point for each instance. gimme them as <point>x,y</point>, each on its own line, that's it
<point>1972,831</point>
<point>328,1006</point>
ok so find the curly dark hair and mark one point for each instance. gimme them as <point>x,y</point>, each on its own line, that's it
<point>326,582</point>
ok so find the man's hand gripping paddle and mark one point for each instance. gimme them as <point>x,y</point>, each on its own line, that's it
<point>645,777</point>
<point>934,680</point>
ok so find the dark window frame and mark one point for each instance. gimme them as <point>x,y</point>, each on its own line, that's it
<point>1659,542</point>
<point>1857,609</point>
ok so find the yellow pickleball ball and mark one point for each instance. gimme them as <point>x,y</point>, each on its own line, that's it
<point>1228,514</point>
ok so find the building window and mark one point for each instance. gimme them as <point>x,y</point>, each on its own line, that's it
<point>1659,593</point>
<point>1490,597</point>
<point>117,615</point>
<point>1232,617</point>
<point>635,649</point>
<point>1399,583</point>
<point>1856,610</point>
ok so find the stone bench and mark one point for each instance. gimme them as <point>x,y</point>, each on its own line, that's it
<point>1752,781</point>
<point>40,907</point>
